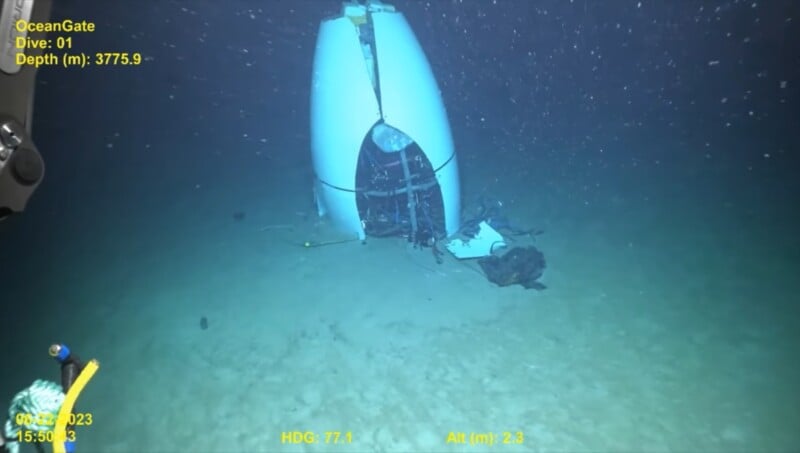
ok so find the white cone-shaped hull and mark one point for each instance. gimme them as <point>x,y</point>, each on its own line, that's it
<point>345,106</point>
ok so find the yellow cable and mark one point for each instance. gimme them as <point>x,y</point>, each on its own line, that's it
<point>59,434</point>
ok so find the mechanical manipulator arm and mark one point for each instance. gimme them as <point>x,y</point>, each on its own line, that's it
<point>21,165</point>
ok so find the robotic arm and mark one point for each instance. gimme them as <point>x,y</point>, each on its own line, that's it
<point>21,165</point>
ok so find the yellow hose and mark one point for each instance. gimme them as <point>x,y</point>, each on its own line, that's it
<point>60,434</point>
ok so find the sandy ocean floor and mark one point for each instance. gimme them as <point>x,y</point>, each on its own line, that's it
<point>644,340</point>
